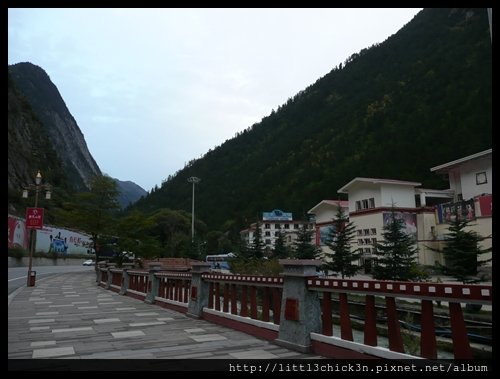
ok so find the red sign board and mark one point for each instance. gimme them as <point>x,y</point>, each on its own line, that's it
<point>485,202</point>
<point>34,218</point>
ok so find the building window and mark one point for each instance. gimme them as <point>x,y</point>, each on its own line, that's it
<point>374,241</point>
<point>268,242</point>
<point>295,226</point>
<point>276,234</point>
<point>287,226</point>
<point>268,234</point>
<point>366,231</point>
<point>358,205</point>
<point>267,226</point>
<point>277,226</point>
<point>368,250</point>
<point>360,241</point>
<point>372,202</point>
<point>360,232</point>
<point>368,241</point>
<point>374,230</point>
<point>481,178</point>
<point>365,204</point>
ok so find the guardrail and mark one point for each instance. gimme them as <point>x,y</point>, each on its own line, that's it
<point>299,309</point>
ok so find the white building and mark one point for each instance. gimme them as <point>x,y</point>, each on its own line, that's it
<point>271,224</point>
<point>370,204</point>
<point>324,213</point>
<point>470,180</point>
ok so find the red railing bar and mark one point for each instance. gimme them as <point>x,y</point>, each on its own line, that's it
<point>370,321</point>
<point>461,346</point>
<point>428,347</point>
<point>393,330</point>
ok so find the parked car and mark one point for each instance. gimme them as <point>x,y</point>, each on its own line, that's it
<point>89,262</point>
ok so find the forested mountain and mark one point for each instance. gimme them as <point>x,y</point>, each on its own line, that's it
<point>129,192</point>
<point>393,110</point>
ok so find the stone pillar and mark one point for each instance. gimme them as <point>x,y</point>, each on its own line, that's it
<point>198,297</point>
<point>125,281</point>
<point>108,283</point>
<point>100,265</point>
<point>150,295</point>
<point>300,308</point>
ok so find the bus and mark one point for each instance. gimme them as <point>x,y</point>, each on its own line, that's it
<point>219,261</point>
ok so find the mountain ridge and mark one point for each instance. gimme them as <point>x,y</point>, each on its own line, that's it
<point>380,114</point>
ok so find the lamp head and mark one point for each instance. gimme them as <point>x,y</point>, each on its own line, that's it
<point>38,178</point>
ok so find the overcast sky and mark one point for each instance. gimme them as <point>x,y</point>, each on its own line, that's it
<point>152,89</point>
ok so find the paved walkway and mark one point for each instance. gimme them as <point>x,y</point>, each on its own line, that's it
<point>69,316</point>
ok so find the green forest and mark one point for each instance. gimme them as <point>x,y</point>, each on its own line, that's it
<point>394,110</point>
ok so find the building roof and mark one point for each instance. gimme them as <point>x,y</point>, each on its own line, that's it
<point>345,189</point>
<point>447,166</point>
<point>342,203</point>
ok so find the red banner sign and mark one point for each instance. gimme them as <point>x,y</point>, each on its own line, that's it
<point>485,205</point>
<point>34,218</point>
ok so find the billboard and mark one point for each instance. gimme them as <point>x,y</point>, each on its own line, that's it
<point>48,239</point>
<point>447,212</point>
<point>410,221</point>
<point>18,237</point>
<point>276,215</point>
<point>63,241</point>
<point>324,233</point>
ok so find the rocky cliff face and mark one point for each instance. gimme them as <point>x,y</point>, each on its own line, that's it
<point>61,128</point>
<point>29,150</point>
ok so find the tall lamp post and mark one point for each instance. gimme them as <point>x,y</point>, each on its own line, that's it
<point>34,220</point>
<point>194,180</point>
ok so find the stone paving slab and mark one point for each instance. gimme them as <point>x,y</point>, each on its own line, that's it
<point>105,325</point>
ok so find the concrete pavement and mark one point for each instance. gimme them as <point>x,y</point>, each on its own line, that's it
<point>69,316</point>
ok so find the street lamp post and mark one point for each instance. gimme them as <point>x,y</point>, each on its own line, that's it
<point>38,185</point>
<point>194,180</point>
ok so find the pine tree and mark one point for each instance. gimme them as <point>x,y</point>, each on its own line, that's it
<point>303,248</point>
<point>258,245</point>
<point>462,251</point>
<point>396,254</point>
<point>339,243</point>
<point>280,250</point>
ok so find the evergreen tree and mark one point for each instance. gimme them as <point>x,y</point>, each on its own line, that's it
<point>258,245</point>
<point>396,254</point>
<point>280,250</point>
<point>462,251</point>
<point>303,248</point>
<point>339,242</point>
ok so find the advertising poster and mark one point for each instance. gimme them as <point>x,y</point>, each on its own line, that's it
<point>447,212</point>
<point>410,220</point>
<point>324,234</point>
<point>62,241</point>
<point>48,239</point>
<point>18,237</point>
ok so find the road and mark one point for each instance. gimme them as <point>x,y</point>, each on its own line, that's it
<point>18,275</point>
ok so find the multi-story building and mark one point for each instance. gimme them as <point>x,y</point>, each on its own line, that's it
<point>324,213</point>
<point>371,201</point>
<point>273,223</point>
<point>470,180</point>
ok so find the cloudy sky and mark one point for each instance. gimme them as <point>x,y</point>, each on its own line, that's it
<point>152,89</point>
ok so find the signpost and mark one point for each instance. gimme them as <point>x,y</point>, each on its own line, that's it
<point>34,218</point>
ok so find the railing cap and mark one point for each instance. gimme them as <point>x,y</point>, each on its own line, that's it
<point>199,267</point>
<point>300,262</point>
